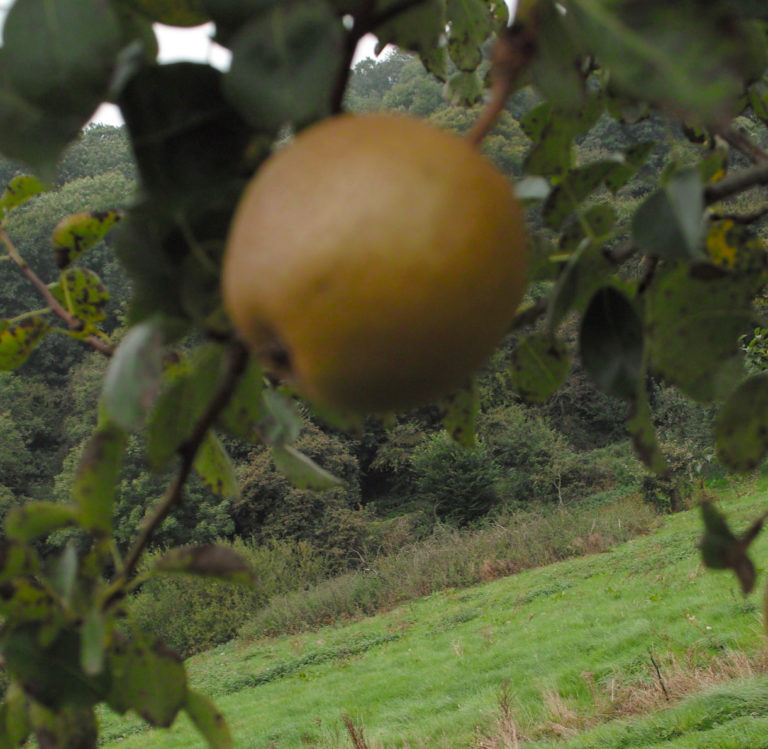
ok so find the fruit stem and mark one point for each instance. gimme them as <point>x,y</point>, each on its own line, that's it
<point>512,52</point>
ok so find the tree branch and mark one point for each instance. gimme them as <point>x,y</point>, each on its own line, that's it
<point>742,143</point>
<point>174,495</point>
<point>736,183</point>
<point>73,322</point>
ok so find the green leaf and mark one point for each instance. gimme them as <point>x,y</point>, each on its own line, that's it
<point>148,679</point>
<point>181,403</point>
<point>576,185</point>
<point>171,12</point>
<point>93,644</point>
<point>208,720</point>
<point>585,272</point>
<point>419,29</point>
<point>19,340</point>
<point>693,322</point>
<point>301,470</point>
<point>534,121</point>
<point>37,519</point>
<point>30,135</point>
<point>741,428</point>
<point>469,25</point>
<point>81,292</point>
<point>79,232</point>
<point>281,422</point>
<point>14,718</point>
<point>595,225</point>
<point>133,376</point>
<point>63,574</point>
<point>19,190</point>
<point>215,467</point>
<point>673,54</point>
<point>210,561</point>
<point>611,343</point>
<point>556,69</point>
<point>670,223</point>
<point>628,165</point>
<point>458,412</point>
<point>17,560</point>
<point>169,111</point>
<point>553,154</point>
<point>285,64</point>
<point>72,726</point>
<point>643,433</point>
<point>245,409</point>
<point>540,365</point>
<point>25,601</point>
<point>736,247</point>
<point>59,56</point>
<point>51,673</point>
<point>97,478</point>
<point>463,89</point>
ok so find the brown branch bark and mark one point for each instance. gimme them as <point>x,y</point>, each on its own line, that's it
<point>737,182</point>
<point>511,54</point>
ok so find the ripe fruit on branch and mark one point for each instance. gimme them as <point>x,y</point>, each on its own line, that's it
<point>375,262</point>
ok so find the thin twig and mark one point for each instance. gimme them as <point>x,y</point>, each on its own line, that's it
<point>736,183</point>
<point>741,218</point>
<point>55,306</point>
<point>188,451</point>
<point>742,143</point>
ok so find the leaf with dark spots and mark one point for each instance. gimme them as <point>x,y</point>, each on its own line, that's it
<point>209,720</point>
<point>210,561</point>
<point>77,233</point>
<point>692,328</point>
<point>18,340</point>
<point>81,292</point>
<point>51,672</point>
<point>37,519</point>
<point>215,468</point>
<point>18,191</point>
<point>148,679</point>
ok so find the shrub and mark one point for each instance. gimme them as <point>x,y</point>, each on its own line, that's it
<point>192,614</point>
<point>458,483</point>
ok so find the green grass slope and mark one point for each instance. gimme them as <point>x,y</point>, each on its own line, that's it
<point>639,647</point>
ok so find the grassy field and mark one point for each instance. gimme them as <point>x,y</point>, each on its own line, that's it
<point>637,647</point>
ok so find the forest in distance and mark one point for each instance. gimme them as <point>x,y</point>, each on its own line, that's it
<point>404,481</point>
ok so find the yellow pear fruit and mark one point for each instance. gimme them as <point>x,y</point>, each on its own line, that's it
<point>375,262</point>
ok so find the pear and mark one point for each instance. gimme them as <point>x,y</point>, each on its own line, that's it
<point>375,262</point>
